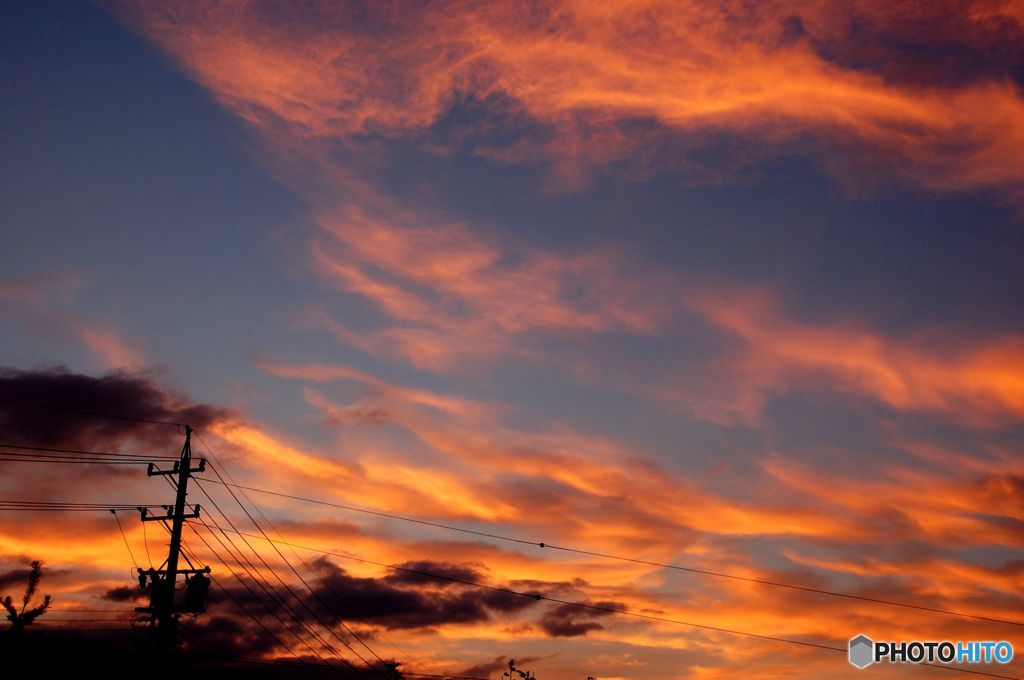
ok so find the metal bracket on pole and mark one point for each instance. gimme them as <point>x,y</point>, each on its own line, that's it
<point>154,471</point>
<point>146,517</point>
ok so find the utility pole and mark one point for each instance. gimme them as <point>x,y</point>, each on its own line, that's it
<point>162,609</point>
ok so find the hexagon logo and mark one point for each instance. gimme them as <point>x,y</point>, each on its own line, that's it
<point>862,651</point>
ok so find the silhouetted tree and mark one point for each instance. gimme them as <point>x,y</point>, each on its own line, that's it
<point>20,619</point>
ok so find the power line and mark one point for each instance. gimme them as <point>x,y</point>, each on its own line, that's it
<point>406,674</point>
<point>65,409</point>
<point>79,506</point>
<point>55,460</point>
<point>7,509</point>
<point>70,629</point>
<point>540,544</point>
<point>305,583</point>
<point>580,551</point>
<point>535,595</point>
<point>91,611</point>
<point>61,508</point>
<point>53,620</point>
<point>70,457</point>
<point>254,596</point>
<point>145,541</point>
<point>242,606</point>
<point>121,528</point>
<point>253,572</point>
<point>257,579</point>
<point>18,453</point>
<point>324,583</point>
<point>75,504</point>
<point>106,458</point>
<point>264,583</point>
<point>22,447</point>
<point>284,584</point>
<point>66,628</point>
<point>610,610</point>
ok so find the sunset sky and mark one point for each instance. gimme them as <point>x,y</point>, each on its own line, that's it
<point>734,286</point>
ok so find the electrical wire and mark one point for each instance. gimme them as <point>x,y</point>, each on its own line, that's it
<point>6,458</point>
<point>48,449</point>
<point>84,504</point>
<point>405,674</point>
<point>91,611</point>
<point>257,579</point>
<point>316,596</point>
<point>242,607</point>
<point>145,541</point>
<point>17,453</point>
<point>53,620</point>
<point>25,508</point>
<point>325,584</point>
<point>108,458</point>
<point>610,610</point>
<point>253,572</point>
<point>285,585</point>
<point>65,409</point>
<point>252,594</point>
<point>621,558</point>
<point>121,528</point>
<point>69,629</point>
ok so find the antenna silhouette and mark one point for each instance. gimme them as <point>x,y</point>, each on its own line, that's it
<point>512,672</point>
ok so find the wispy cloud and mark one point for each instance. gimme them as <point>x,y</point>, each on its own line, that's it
<point>582,71</point>
<point>39,303</point>
<point>453,295</point>
<point>976,382</point>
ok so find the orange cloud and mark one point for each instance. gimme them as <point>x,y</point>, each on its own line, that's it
<point>320,373</point>
<point>583,68</point>
<point>973,384</point>
<point>33,302</point>
<point>566,487</point>
<point>112,350</point>
<point>617,501</point>
<point>456,295</point>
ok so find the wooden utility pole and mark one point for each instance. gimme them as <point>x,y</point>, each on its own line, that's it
<point>162,609</point>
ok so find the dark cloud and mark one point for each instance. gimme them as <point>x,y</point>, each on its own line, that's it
<point>549,587</point>
<point>394,603</point>
<point>124,594</point>
<point>13,580</point>
<point>73,396</point>
<point>390,602</point>
<point>452,571</point>
<point>229,637</point>
<point>570,621</point>
<point>1011,567</point>
<point>386,601</point>
<point>943,44</point>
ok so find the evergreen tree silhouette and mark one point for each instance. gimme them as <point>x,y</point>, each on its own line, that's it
<point>25,617</point>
